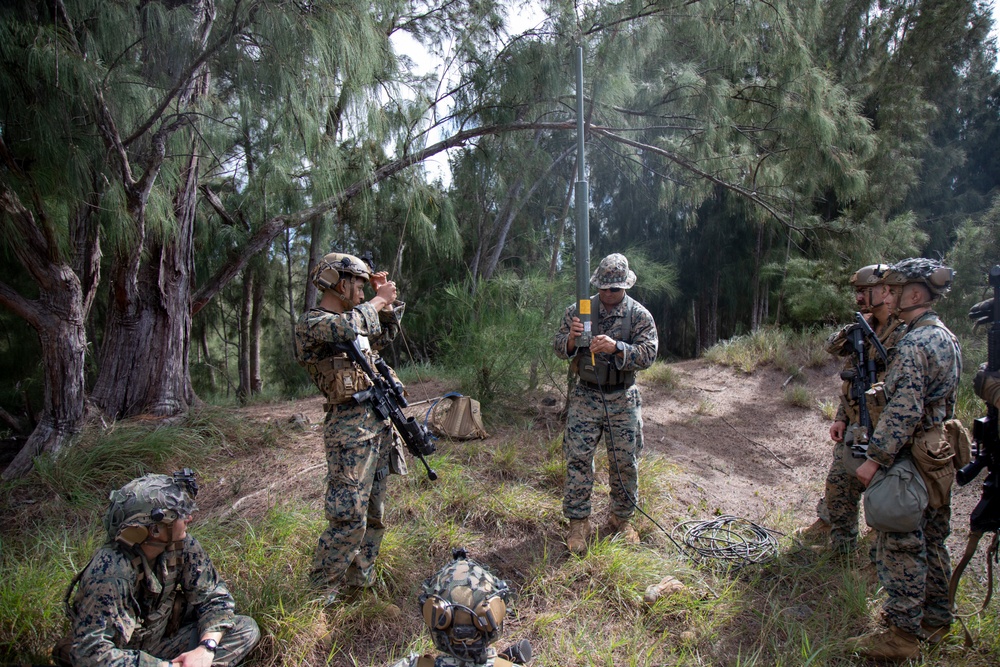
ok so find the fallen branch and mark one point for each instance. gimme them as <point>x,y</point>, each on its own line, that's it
<point>756,443</point>
<point>284,480</point>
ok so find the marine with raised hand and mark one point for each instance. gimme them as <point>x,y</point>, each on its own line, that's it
<point>605,402</point>
<point>837,510</point>
<point>920,392</point>
<point>361,449</point>
<point>464,607</point>
<point>151,596</point>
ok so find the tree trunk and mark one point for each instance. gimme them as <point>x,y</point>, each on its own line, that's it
<point>243,390</point>
<point>315,254</point>
<point>256,318</point>
<point>207,359</point>
<point>58,316</point>
<point>59,322</point>
<point>148,331</point>
<point>290,288</point>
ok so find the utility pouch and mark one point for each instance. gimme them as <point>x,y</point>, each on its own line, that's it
<point>896,499</point>
<point>875,400</point>
<point>935,459</point>
<point>341,379</point>
<point>597,372</point>
<point>961,442</point>
<point>397,461</point>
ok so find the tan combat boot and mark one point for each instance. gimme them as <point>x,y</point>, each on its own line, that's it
<point>623,528</point>
<point>579,531</point>
<point>892,645</point>
<point>934,634</point>
<point>816,532</point>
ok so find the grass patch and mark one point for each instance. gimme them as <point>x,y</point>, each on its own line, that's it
<point>828,409</point>
<point>788,350</point>
<point>661,375</point>
<point>798,396</point>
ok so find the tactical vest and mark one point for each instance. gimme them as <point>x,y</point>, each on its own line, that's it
<point>603,372</point>
<point>339,379</point>
<point>850,405</point>
<point>931,320</point>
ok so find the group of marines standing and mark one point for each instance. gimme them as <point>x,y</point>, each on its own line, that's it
<point>151,596</point>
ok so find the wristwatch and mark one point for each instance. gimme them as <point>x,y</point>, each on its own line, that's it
<point>620,346</point>
<point>209,644</point>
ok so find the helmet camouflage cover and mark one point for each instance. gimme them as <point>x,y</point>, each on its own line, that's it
<point>464,606</point>
<point>869,276</point>
<point>612,272</point>
<point>337,265</point>
<point>935,276</point>
<point>149,500</point>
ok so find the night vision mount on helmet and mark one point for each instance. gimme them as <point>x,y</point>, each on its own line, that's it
<point>869,276</point>
<point>147,501</point>
<point>337,265</point>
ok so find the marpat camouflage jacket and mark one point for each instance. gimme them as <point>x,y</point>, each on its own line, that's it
<point>117,615</point>
<point>921,387</point>
<point>640,344</point>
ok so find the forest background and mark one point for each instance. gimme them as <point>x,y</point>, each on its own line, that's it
<point>170,171</point>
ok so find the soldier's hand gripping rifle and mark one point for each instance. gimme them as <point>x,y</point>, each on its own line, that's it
<point>862,377</point>
<point>387,398</point>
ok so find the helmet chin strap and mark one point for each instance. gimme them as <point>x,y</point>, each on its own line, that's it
<point>346,302</point>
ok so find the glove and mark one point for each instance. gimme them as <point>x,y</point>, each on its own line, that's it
<point>982,312</point>
<point>987,386</point>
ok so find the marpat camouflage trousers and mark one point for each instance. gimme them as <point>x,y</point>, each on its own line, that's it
<point>585,424</point>
<point>358,445</point>
<point>914,569</point>
<point>841,500</point>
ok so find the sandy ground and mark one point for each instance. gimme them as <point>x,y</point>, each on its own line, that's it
<point>741,448</point>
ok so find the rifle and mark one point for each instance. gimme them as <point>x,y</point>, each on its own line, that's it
<point>862,377</point>
<point>986,515</point>
<point>387,398</point>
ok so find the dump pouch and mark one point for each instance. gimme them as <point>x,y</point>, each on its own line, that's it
<point>961,442</point>
<point>935,459</point>
<point>896,499</point>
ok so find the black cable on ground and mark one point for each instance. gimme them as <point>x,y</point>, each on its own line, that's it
<point>730,539</point>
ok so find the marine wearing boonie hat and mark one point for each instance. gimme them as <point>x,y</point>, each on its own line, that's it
<point>613,272</point>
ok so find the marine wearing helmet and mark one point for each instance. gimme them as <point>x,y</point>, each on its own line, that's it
<point>151,595</point>
<point>932,275</point>
<point>336,266</point>
<point>464,606</point>
<point>147,501</point>
<point>863,280</point>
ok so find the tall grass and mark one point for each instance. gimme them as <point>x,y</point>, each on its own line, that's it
<point>787,350</point>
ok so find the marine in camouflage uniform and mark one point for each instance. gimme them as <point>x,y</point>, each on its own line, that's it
<point>464,607</point>
<point>151,593</point>
<point>921,388</point>
<point>838,509</point>
<point>359,444</point>
<point>619,353</point>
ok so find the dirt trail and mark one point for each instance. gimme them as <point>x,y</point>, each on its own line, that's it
<point>741,448</point>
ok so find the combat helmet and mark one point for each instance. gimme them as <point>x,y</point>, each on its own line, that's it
<point>935,276</point>
<point>612,272</point>
<point>868,276</point>
<point>337,265</point>
<point>464,606</point>
<point>149,500</point>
